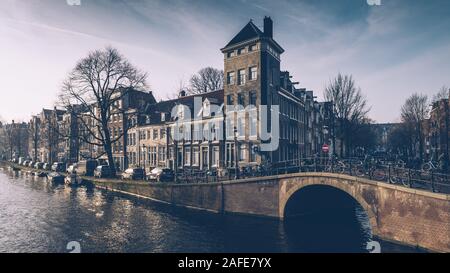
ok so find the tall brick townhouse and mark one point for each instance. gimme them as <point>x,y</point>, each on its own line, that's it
<point>253,77</point>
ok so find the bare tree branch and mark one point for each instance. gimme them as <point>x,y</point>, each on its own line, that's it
<point>206,80</point>
<point>96,83</point>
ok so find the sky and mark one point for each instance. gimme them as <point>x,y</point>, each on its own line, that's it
<point>392,50</point>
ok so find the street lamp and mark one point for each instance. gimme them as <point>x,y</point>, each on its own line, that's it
<point>143,157</point>
<point>236,164</point>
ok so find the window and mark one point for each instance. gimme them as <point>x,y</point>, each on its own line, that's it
<point>215,156</point>
<point>230,128</point>
<point>252,98</point>
<point>153,156</point>
<point>206,108</point>
<point>205,158</point>
<point>230,54</point>
<point>253,153</point>
<point>163,116</point>
<point>155,134</point>
<point>230,154</point>
<point>187,156</point>
<point>230,78</point>
<point>241,51</point>
<point>162,133</point>
<point>253,123</point>
<point>195,156</point>
<point>180,112</point>
<point>252,47</point>
<point>230,100</point>
<point>214,132</point>
<point>253,73</point>
<point>180,157</point>
<point>241,77</point>
<point>241,100</point>
<point>242,153</point>
<point>241,125</point>
<point>162,154</point>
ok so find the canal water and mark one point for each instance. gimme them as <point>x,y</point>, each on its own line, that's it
<point>36,216</point>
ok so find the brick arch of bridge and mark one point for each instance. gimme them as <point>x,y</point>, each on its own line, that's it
<point>289,186</point>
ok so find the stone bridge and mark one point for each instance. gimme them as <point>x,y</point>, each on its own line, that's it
<point>396,213</point>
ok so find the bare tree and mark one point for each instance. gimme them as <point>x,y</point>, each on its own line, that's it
<point>350,107</point>
<point>206,80</point>
<point>413,113</point>
<point>10,136</point>
<point>15,138</point>
<point>400,140</point>
<point>3,139</point>
<point>97,83</point>
<point>34,134</point>
<point>443,93</point>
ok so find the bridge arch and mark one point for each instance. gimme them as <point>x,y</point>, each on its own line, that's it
<point>290,186</point>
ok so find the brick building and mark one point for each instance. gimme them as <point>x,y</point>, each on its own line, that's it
<point>437,132</point>
<point>227,126</point>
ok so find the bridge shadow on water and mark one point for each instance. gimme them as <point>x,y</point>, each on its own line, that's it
<point>321,218</point>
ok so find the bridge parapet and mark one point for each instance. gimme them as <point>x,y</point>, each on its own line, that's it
<point>397,213</point>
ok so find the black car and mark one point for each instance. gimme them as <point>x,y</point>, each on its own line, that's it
<point>102,172</point>
<point>161,175</point>
<point>133,174</point>
<point>59,167</point>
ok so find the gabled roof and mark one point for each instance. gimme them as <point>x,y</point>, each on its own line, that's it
<point>249,32</point>
<point>155,110</point>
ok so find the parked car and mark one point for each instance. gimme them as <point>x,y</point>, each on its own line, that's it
<point>31,164</point>
<point>55,177</point>
<point>86,167</point>
<point>102,171</point>
<point>59,167</point>
<point>133,174</point>
<point>21,160</point>
<point>161,175</point>
<point>25,163</point>
<point>46,166</point>
<point>39,165</point>
<point>72,168</point>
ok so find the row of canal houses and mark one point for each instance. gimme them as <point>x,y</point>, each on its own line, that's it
<point>216,129</point>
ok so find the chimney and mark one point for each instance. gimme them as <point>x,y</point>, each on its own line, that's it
<point>268,27</point>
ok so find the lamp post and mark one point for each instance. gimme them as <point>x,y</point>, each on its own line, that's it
<point>236,164</point>
<point>143,157</point>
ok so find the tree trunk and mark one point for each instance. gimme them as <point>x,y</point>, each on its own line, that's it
<point>107,146</point>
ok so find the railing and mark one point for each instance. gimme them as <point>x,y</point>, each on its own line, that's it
<point>388,172</point>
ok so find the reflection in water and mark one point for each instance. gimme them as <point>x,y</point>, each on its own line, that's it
<point>37,216</point>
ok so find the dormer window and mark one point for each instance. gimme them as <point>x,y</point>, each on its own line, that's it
<point>163,117</point>
<point>180,112</point>
<point>252,47</point>
<point>230,54</point>
<point>206,108</point>
<point>241,51</point>
<point>147,119</point>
